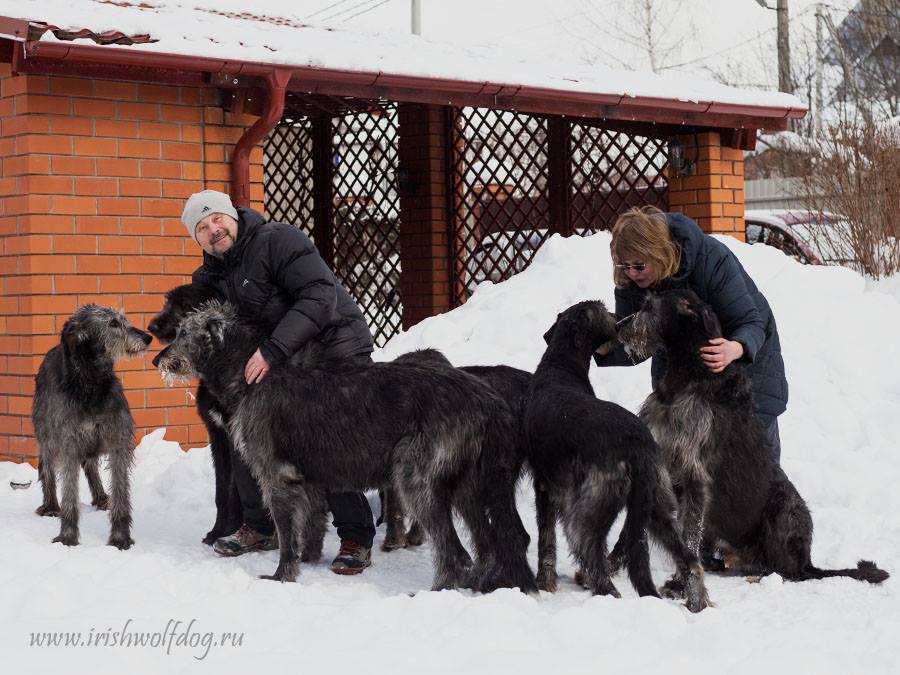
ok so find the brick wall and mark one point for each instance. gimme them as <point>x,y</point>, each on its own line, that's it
<point>713,193</point>
<point>94,176</point>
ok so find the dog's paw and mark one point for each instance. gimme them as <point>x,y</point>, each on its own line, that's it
<point>696,599</point>
<point>283,578</point>
<point>415,536</point>
<point>101,503</point>
<point>606,587</point>
<point>47,511</point>
<point>67,539</point>
<point>547,581</point>
<point>121,542</point>
<point>580,578</point>
<point>211,537</point>
<point>394,541</point>
<point>311,555</point>
<point>673,589</point>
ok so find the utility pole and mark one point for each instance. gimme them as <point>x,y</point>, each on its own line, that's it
<point>784,49</point>
<point>784,45</point>
<point>820,67</point>
<point>416,16</point>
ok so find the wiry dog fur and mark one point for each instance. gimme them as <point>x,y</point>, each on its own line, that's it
<point>427,431</point>
<point>180,301</point>
<point>591,458</point>
<point>510,384</point>
<point>80,413</point>
<point>732,493</point>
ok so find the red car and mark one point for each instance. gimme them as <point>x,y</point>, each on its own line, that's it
<point>811,238</point>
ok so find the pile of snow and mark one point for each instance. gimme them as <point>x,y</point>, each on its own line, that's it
<point>839,446</point>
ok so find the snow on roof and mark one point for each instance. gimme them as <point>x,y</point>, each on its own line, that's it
<point>267,31</point>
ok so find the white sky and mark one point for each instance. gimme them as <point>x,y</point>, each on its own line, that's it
<point>722,34</point>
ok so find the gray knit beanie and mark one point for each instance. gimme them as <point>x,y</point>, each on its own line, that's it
<point>201,204</point>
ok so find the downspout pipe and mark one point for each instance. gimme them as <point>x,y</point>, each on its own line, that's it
<point>276,84</point>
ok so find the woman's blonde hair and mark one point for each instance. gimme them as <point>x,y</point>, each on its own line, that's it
<point>641,234</point>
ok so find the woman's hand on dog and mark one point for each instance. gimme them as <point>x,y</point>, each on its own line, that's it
<point>720,353</point>
<point>256,368</point>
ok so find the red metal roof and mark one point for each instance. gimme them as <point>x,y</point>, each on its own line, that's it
<point>69,55</point>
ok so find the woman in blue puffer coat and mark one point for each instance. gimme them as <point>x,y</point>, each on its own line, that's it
<point>652,251</point>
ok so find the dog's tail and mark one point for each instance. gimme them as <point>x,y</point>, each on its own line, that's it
<point>633,538</point>
<point>865,570</point>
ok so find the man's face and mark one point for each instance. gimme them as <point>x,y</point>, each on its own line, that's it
<point>216,233</point>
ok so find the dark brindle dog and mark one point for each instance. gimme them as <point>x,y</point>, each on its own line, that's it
<point>590,459</point>
<point>229,515</point>
<point>732,494</point>
<point>433,433</point>
<point>80,413</point>
<point>510,384</point>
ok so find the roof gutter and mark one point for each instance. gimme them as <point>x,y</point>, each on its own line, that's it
<point>458,92</point>
<point>276,83</point>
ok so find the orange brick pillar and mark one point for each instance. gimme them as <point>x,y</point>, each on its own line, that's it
<point>712,193</point>
<point>424,230</point>
<point>94,177</point>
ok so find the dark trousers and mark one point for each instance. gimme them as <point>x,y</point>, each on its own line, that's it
<point>352,516</point>
<point>770,428</point>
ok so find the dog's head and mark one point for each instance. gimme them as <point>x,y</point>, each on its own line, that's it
<point>666,318</point>
<point>179,302</point>
<point>200,333</point>
<point>586,326</point>
<point>94,330</point>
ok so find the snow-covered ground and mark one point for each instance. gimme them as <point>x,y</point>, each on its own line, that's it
<point>840,446</point>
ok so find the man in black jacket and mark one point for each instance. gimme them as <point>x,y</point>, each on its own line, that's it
<point>275,276</point>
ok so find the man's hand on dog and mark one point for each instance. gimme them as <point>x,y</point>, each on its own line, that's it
<point>256,368</point>
<point>721,352</point>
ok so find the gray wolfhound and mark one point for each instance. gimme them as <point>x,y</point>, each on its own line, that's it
<point>80,413</point>
<point>510,384</point>
<point>591,458</point>
<point>430,432</point>
<point>731,492</point>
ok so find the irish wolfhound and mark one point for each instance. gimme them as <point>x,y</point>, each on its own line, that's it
<point>590,459</point>
<point>732,493</point>
<point>510,384</point>
<point>430,432</point>
<point>229,514</point>
<point>80,413</point>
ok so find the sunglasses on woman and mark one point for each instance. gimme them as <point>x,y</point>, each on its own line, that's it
<point>637,267</point>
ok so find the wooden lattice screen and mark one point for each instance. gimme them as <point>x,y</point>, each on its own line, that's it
<point>334,176</point>
<point>516,179</point>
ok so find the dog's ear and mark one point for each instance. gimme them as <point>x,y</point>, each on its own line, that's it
<point>73,335</point>
<point>684,307</point>
<point>215,325</point>
<point>549,334</point>
<point>578,340</point>
<point>710,322</point>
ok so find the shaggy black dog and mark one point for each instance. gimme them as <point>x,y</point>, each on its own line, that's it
<point>180,301</point>
<point>732,494</point>
<point>80,413</point>
<point>590,459</point>
<point>433,433</point>
<point>511,384</point>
